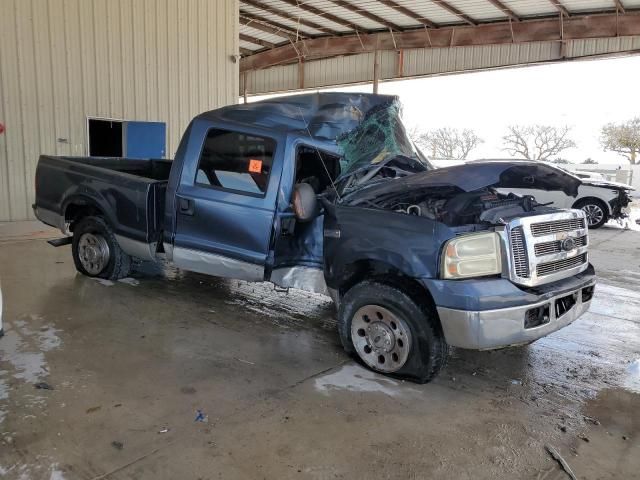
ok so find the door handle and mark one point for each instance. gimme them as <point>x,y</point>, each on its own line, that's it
<point>186,206</point>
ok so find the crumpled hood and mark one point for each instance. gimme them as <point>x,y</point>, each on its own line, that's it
<point>606,184</point>
<point>475,176</point>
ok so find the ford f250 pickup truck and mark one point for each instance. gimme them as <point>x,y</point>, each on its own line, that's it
<point>325,192</point>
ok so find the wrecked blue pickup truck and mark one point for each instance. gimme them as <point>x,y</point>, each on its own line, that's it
<point>325,192</point>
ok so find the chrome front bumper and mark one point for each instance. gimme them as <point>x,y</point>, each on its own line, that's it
<point>488,329</point>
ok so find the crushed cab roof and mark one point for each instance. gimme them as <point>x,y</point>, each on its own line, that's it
<point>322,116</point>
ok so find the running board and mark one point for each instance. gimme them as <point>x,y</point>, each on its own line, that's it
<point>59,242</point>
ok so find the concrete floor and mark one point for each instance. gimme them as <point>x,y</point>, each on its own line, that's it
<point>131,363</point>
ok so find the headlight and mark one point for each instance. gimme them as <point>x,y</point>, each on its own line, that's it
<point>472,255</point>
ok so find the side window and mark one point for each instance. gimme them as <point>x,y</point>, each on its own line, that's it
<point>318,169</point>
<point>236,161</point>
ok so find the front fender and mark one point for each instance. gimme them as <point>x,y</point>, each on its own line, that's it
<point>409,244</point>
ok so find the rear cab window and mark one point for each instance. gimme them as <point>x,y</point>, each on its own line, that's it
<point>236,161</point>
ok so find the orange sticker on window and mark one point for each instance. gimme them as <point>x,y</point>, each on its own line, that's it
<point>255,166</point>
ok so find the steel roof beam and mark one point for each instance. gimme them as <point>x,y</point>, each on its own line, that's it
<point>408,13</point>
<point>504,9</point>
<point>453,10</point>
<point>321,13</point>
<point>257,19</point>
<point>291,18</point>
<point>247,22</point>
<point>619,6</point>
<point>256,41</point>
<point>561,8</point>
<point>364,13</point>
<point>539,30</point>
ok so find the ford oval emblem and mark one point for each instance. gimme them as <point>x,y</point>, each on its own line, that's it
<point>568,244</point>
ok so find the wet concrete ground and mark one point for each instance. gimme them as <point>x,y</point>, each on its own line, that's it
<point>130,364</point>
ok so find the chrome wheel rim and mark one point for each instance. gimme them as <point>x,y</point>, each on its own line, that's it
<point>93,252</point>
<point>381,338</point>
<point>594,213</point>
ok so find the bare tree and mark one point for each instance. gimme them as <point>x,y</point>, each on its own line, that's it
<point>537,142</point>
<point>623,138</point>
<point>449,143</point>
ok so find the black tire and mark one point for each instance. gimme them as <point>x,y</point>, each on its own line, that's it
<point>428,350</point>
<point>593,203</point>
<point>118,264</point>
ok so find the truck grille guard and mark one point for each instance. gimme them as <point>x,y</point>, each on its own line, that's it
<point>546,248</point>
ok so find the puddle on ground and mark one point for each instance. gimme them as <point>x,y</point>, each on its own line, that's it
<point>23,347</point>
<point>616,302</point>
<point>355,378</point>
<point>632,377</point>
<point>612,442</point>
<point>28,472</point>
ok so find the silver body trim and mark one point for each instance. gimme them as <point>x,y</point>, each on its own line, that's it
<point>216,265</point>
<point>304,278</point>
<point>135,248</point>
<point>534,260</point>
<point>488,329</point>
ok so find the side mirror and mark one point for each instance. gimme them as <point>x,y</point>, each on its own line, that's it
<point>305,203</point>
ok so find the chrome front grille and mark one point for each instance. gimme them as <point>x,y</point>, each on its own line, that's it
<point>548,268</point>
<point>519,252</point>
<point>555,246</point>
<point>566,225</point>
<point>546,248</point>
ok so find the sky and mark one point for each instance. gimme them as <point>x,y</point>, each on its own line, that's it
<point>581,94</point>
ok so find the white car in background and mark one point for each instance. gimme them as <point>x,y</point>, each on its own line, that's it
<point>600,199</point>
<point>589,175</point>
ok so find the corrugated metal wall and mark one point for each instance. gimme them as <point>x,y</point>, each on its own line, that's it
<point>426,61</point>
<point>64,60</point>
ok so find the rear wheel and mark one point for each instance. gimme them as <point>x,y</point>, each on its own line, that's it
<point>389,332</point>
<point>595,210</point>
<point>96,252</point>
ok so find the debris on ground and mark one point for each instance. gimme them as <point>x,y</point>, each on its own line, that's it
<point>595,421</point>
<point>164,430</point>
<point>244,361</point>
<point>93,409</point>
<point>563,463</point>
<point>200,416</point>
<point>516,382</point>
<point>117,445</point>
<point>43,386</point>
<point>584,438</point>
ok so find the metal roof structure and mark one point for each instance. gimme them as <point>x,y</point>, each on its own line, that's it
<point>287,32</point>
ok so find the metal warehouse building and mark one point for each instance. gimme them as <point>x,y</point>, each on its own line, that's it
<point>124,77</point>
<point>64,61</point>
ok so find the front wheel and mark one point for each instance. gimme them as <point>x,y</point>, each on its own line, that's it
<point>96,252</point>
<point>595,210</point>
<point>389,332</point>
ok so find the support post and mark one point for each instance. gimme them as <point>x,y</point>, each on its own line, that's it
<point>244,86</point>
<point>301,74</point>
<point>376,69</point>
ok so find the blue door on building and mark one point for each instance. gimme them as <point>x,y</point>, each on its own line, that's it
<point>145,139</point>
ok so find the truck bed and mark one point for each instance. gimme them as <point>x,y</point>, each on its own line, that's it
<point>130,193</point>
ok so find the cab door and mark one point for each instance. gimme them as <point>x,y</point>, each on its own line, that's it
<point>225,205</point>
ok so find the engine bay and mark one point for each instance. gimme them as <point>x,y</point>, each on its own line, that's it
<point>453,207</point>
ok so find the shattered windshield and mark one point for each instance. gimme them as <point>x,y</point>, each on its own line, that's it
<point>380,140</point>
